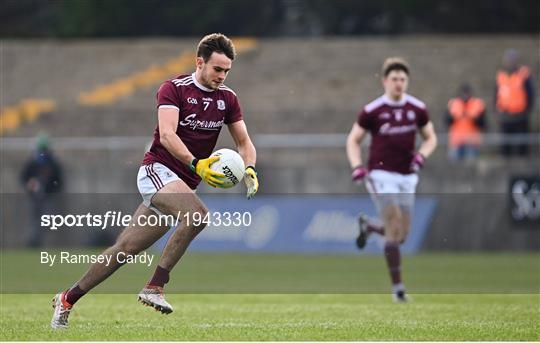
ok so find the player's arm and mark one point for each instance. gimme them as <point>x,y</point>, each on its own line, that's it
<point>167,123</point>
<point>354,152</point>
<point>429,142</point>
<point>354,141</point>
<point>246,149</point>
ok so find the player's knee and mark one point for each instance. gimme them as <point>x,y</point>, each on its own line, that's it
<point>404,230</point>
<point>394,221</point>
<point>202,210</point>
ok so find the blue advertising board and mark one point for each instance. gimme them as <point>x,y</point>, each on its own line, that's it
<point>298,224</point>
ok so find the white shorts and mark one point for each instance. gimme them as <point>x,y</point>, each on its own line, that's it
<point>150,179</point>
<point>390,188</point>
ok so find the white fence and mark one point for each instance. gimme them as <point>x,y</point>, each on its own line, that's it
<point>262,141</point>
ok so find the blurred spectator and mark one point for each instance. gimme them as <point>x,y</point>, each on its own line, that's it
<point>41,177</point>
<point>514,100</point>
<point>466,121</point>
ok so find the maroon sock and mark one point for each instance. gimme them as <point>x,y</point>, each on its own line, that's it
<point>376,229</point>
<point>160,278</point>
<point>74,294</point>
<point>391,251</point>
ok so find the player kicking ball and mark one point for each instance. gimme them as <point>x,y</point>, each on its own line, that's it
<point>391,174</point>
<point>191,112</point>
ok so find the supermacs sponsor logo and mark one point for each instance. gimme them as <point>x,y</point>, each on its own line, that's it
<point>387,129</point>
<point>193,123</point>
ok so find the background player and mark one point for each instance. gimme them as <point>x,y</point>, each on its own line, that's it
<point>393,120</point>
<point>191,111</point>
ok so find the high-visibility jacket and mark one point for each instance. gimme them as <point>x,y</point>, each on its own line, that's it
<point>464,114</point>
<point>511,92</point>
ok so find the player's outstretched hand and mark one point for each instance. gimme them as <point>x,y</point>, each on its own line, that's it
<point>211,177</point>
<point>252,182</point>
<point>358,174</point>
<point>417,162</point>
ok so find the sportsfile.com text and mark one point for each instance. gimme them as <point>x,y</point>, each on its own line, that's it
<point>114,219</point>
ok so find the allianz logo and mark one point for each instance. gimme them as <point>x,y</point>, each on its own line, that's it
<point>331,226</point>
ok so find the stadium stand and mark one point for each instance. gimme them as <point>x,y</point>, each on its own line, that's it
<point>286,86</point>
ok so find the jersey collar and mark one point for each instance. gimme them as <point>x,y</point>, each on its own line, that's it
<point>201,87</point>
<point>391,102</point>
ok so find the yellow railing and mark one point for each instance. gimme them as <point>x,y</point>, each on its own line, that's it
<point>108,93</point>
<point>26,111</point>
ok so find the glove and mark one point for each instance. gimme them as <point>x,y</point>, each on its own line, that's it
<point>202,168</point>
<point>252,182</point>
<point>417,162</point>
<point>358,174</point>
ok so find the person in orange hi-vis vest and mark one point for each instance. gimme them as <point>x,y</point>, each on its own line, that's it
<point>514,101</point>
<point>465,120</point>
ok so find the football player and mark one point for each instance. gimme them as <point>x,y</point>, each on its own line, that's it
<point>391,172</point>
<point>191,110</point>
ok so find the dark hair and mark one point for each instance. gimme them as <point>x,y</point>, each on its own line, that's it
<point>394,63</point>
<point>215,42</point>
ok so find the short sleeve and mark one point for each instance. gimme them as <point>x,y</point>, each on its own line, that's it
<point>422,118</point>
<point>235,112</point>
<point>167,96</point>
<point>364,120</point>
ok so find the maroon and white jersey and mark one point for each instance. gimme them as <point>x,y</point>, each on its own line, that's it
<point>393,126</point>
<point>202,113</point>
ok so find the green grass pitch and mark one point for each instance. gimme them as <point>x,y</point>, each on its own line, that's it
<point>336,297</point>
